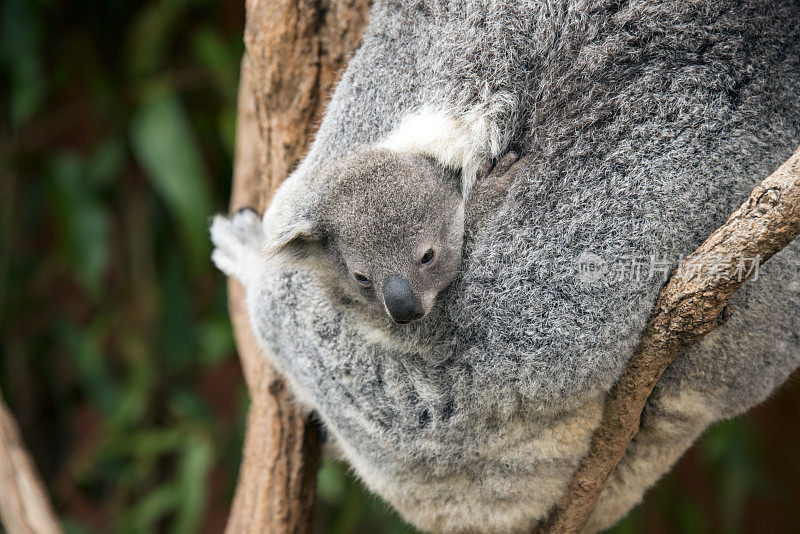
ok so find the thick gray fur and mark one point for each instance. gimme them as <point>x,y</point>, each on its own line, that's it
<point>650,122</point>
<point>376,216</point>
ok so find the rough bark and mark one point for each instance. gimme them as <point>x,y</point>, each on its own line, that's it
<point>24,506</point>
<point>691,305</point>
<point>295,51</point>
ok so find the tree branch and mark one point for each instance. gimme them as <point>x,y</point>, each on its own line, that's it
<point>294,52</point>
<point>691,305</point>
<point>24,506</point>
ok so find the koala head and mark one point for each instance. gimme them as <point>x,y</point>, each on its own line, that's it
<point>387,227</point>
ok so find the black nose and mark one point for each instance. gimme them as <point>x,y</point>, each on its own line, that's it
<point>401,303</point>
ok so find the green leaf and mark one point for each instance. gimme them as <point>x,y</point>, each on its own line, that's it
<point>193,472</point>
<point>730,448</point>
<point>150,34</point>
<point>84,348</point>
<point>19,49</point>
<point>216,340</point>
<point>155,505</point>
<point>140,375</point>
<point>165,146</point>
<point>331,482</point>
<point>219,58</point>
<point>176,335</point>
<point>72,526</point>
<point>81,220</point>
<point>105,163</point>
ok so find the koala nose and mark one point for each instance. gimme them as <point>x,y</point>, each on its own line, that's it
<point>401,303</point>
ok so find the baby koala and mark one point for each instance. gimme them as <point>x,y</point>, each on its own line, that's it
<point>388,231</point>
<point>384,230</point>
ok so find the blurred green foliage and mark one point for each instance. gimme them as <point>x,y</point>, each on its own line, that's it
<point>117,353</point>
<point>116,144</point>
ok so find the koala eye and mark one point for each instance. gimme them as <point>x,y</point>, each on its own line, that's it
<point>362,280</point>
<point>427,257</point>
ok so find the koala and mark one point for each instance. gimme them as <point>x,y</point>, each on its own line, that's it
<point>642,126</point>
<point>386,232</point>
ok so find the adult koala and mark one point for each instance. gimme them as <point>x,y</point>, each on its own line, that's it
<point>646,124</point>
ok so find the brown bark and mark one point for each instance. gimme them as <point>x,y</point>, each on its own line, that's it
<point>295,50</point>
<point>691,305</point>
<point>24,506</point>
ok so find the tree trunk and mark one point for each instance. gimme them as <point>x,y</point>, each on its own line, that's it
<point>295,50</point>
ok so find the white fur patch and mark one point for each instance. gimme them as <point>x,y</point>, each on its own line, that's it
<point>458,140</point>
<point>238,243</point>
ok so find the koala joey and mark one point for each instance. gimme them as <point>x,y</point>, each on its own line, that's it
<point>386,230</point>
<point>642,126</point>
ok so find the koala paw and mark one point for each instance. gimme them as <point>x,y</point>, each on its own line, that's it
<point>491,189</point>
<point>238,243</point>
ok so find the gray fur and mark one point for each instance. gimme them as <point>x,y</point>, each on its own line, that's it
<point>377,215</point>
<point>650,122</point>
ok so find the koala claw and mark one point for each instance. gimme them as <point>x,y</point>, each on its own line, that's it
<point>238,242</point>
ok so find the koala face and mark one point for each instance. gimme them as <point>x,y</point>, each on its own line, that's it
<point>394,223</point>
<point>385,230</point>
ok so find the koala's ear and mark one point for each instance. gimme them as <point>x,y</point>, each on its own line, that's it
<point>292,222</point>
<point>297,233</point>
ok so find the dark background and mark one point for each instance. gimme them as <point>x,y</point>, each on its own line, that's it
<point>116,141</point>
